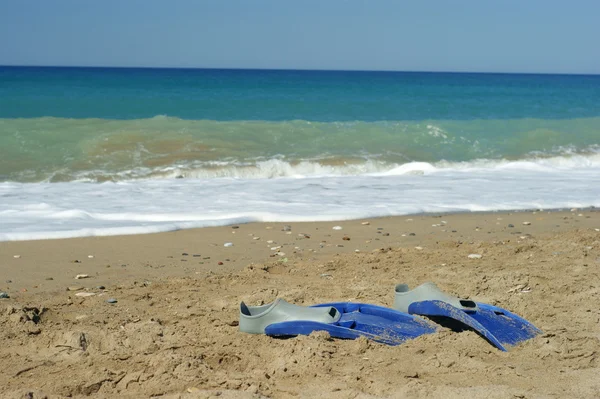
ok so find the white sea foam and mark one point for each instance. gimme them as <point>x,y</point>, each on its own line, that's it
<point>436,131</point>
<point>57,210</point>
<point>278,168</point>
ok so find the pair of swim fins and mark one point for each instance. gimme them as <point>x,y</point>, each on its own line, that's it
<point>390,326</point>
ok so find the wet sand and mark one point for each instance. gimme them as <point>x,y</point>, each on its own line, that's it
<point>172,330</point>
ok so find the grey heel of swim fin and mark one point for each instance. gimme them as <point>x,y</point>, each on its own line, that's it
<point>254,319</point>
<point>427,292</point>
<point>499,326</point>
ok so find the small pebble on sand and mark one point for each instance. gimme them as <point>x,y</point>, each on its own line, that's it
<point>475,256</point>
<point>511,225</point>
<point>81,276</point>
<point>256,238</point>
<point>270,242</point>
<point>286,227</point>
<point>85,294</point>
<point>365,223</point>
<point>111,300</point>
<point>337,227</point>
<point>419,248</point>
<point>346,238</point>
<point>16,256</point>
<point>74,288</point>
<point>228,244</point>
<point>526,223</point>
<point>91,256</point>
<point>4,295</point>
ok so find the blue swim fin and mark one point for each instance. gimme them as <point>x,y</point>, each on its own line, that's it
<point>341,320</point>
<point>499,326</point>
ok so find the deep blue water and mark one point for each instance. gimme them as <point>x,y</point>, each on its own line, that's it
<point>272,95</point>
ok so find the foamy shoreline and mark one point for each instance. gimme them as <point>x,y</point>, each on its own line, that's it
<point>60,210</point>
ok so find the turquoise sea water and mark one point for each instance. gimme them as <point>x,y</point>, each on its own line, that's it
<point>96,151</point>
<point>64,124</point>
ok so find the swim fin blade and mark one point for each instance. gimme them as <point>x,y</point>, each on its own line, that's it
<point>499,326</point>
<point>345,320</point>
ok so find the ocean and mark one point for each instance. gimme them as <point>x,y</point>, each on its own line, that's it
<point>104,151</point>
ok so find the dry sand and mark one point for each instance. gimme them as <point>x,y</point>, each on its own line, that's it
<point>173,331</point>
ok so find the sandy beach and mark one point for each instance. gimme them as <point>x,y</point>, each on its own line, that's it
<point>172,331</point>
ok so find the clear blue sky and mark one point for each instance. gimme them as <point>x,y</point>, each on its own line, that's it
<point>408,35</point>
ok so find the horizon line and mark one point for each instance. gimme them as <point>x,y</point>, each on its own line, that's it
<point>294,69</point>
